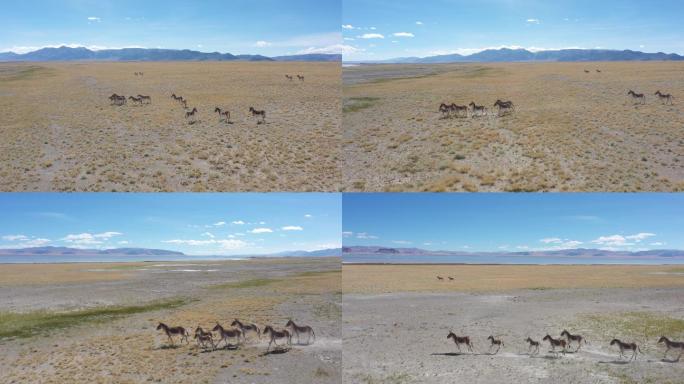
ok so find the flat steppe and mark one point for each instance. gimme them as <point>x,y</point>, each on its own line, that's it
<point>396,320</point>
<point>571,131</point>
<point>95,323</point>
<point>59,131</point>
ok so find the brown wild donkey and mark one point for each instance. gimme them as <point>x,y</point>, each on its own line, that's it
<point>226,334</point>
<point>576,338</point>
<point>203,337</point>
<point>556,343</point>
<point>275,335</point>
<point>672,345</point>
<point>245,328</point>
<point>301,329</point>
<point>532,344</point>
<point>498,342</point>
<point>626,347</point>
<point>458,340</point>
<point>172,331</point>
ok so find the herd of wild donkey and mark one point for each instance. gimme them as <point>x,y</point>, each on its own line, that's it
<point>505,107</point>
<point>239,332</point>
<point>191,114</point>
<point>562,343</point>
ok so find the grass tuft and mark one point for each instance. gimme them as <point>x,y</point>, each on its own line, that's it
<point>24,325</point>
<point>355,104</point>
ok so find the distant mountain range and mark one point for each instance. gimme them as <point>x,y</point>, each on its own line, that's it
<point>578,252</point>
<point>146,54</point>
<point>523,55</point>
<point>66,251</point>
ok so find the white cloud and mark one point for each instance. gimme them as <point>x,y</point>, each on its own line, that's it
<point>308,216</point>
<point>238,222</point>
<point>403,242</point>
<point>622,241</point>
<point>347,234</point>
<point>223,243</point>
<point>403,34</point>
<point>371,36</point>
<point>419,23</point>
<point>38,242</point>
<point>292,228</point>
<point>657,243</point>
<point>335,49</point>
<point>549,240</point>
<point>219,224</point>
<point>640,236</point>
<point>364,235</point>
<point>122,242</point>
<point>94,19</point>
<point>532,21</point>
<point>261,230</point>
<point>347,26</point>
<point>89,238</point>
<point>262,44</point>
<point>15,237</point>
<point>349,39</point>
<point>208,234</point>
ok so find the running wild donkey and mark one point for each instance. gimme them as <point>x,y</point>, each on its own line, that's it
<point>533,344</point>
<point>172,331</point>
<point>669,344</point>
<point>226,334</point>
<point>275,335</point>
<point>245,328</point>
<point>301,329</point>
<point>638,98</point>
<point>665,98</point>
<point>576,338</point>
<point>555,343</point>
<point>498,342</point>
<point>458,340</point>
<point>626,347</point>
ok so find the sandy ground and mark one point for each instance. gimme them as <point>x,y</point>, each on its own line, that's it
<point>130,350</point>
<point>58,131</point>
<point>400,337</point>
<point>572,131</point>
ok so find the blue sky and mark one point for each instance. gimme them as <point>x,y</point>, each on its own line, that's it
<point>268,27</point>
<point>515,222</point>
<point>197,224</point>
<point>381,29</point>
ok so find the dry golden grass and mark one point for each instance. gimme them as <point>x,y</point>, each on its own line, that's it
<point>60,133</point>
<point>42,274</point>
<point>572,131</point>
<point>474,278</point>
<point>133,354</point>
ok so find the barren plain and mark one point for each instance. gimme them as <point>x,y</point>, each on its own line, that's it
<point>571,130</point>
<point>59,131</point>
<point>393,335</point>
<point>95,323</point>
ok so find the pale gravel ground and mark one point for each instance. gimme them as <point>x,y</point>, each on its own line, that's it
<point>401,337</point>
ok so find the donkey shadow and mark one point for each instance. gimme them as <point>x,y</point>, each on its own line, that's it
<point>277,351</point>
<point>666,360</point>
<point>168,346</point>
<point>615,362</point>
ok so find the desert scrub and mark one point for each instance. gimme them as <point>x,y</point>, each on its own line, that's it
<point>355,104</point>
<point>252,283</point>
<point>23,325</point>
